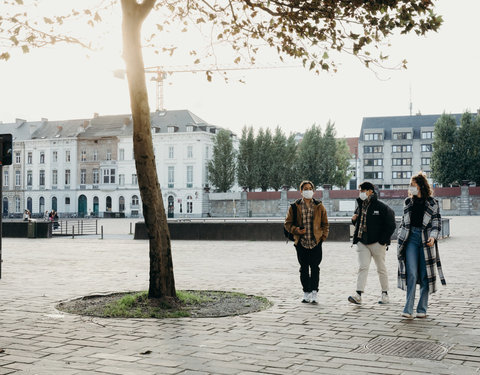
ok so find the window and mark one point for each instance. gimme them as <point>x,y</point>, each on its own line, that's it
<point>135,201</point>
<point>373,137</point>
<point>373,175</point>
<point>426,161</point>
<point>17,178</point>
<point>42,178</point>
<point>83,176</point>
<point>373,162</point>
<point>171,177</point>
<point>402,175</point>
<point>134,179</point>
<point>67,200</point>
<point>54,177</point>
<point>171,152</point>
<point>189,204</point>
<point>67,177</point>
<point>18,158</point>
<point>427,148</point>
<point>83,156</point>
<point>372,149</point>
<point>121,179</point>
<point>189,152</point>
<point>96,177</point>
<point>54,156</point>
<point>402,148</point>
<point>17,204</point>
<point>189,176</point>
<point>95,155</point>
<point>29,158</point>
<point>29,178</point>
<point>67,156</point>
<point>402,135</point>
<point>171,129</point>
<point>109,176</point>
<point>121,204</point>
<point>121,154</point>
<point>427,135</point>
<point>189,128</point>
<point>402,161</point>
<point>109,155</point>
<point>42,157</point>
<point>5,177</point>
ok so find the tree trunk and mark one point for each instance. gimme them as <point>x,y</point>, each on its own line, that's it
<point>162,282</point>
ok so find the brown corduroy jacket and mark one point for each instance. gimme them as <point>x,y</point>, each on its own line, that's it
<point>320,221</point>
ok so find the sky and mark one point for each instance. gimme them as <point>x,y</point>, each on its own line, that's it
<point>61,82</point>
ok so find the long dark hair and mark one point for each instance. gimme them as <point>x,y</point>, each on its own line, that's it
<point>423,185</point>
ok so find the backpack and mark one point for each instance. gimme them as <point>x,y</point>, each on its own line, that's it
<point>288,235</point>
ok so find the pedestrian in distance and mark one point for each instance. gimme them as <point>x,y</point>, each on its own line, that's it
<point>374,223</point>
<point>307,221</point>
<point>417,246</point>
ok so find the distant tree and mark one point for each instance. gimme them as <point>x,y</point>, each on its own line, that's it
<point>329,155</point>
<point>467,148</point>
<point>246,170</point>
<point>263,158</point>
<point>290,173</point>
<point>342,161</point>
<point>221,169</point>
<point>278,157</point>
<point>310,154</point>
<point>444,158</point>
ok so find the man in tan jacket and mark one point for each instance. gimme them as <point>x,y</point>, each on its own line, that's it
<point>309,230</point>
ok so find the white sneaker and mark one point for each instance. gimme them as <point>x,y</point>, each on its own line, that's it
<point>356,298</point>
<point>384,299</point>
<point>314,299</point>
<point>306,297</point>
<point>421,315</point>
<point>407,315</point>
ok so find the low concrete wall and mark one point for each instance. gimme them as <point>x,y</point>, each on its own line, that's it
<point>236,231</point>
<point>20,229</point>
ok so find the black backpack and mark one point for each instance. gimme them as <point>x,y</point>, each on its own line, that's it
<point>288,235</point>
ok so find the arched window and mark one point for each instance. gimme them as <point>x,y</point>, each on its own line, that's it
<point>121,204</point>
<point>41,204</point>
<point>135,201</point>
<point>108,202</point>
<point>54,203</point>
<point>29,204</point>
<point>17,205</point>
<point>189,204</point>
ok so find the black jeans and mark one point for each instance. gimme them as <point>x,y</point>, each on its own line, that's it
<point>309,260</point>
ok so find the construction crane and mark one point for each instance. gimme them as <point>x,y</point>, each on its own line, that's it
<point>161,74</point>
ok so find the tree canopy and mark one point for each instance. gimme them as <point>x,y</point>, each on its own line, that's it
<point>221,169</point>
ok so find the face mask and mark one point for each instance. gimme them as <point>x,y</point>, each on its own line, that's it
<point>362,195</point>
<point>413,190</point>
<point>307,194</point>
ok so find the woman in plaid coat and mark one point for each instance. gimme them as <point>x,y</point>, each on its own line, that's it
<point>418,258</point>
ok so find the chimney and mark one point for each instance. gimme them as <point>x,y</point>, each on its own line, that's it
<point>86,123</point>
<point>20,121</point>
<point>95,115</point>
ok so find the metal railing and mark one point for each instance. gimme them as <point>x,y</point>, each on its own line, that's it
<point>74,227</point>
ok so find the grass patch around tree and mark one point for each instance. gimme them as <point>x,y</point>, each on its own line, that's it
<point>189,303</point>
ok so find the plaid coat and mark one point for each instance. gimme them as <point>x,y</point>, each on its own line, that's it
<point>431,227</point>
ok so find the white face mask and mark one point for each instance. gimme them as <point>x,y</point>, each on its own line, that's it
<point>413,190</point>
<point>307,194</point>
<point>363,195</point>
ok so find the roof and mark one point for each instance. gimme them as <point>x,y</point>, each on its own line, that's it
<point>108,126</point>
<point>20,130</point>
<point>352,144</point>
<point>415,122</point>
<point>180,119</point>
<point>58,129</point>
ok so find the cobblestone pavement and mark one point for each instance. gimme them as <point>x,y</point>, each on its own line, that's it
<point>288,338</point>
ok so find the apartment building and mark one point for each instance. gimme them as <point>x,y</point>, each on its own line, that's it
<point>87,167</point>
<point>392,149</point>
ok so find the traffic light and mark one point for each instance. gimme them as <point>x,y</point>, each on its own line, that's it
<point>6,149</point>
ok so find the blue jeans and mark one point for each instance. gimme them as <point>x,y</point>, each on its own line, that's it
<point>416,272</point>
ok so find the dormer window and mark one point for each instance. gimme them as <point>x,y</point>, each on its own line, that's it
<point>171,129</point>
<point>189,128</point>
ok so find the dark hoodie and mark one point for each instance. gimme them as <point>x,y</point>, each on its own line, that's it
<point>380,222</point>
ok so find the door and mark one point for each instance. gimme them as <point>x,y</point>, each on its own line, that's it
<point>82,206</point>
<point>171,206</point>
<point>5,207</point>
<point>95,206</point>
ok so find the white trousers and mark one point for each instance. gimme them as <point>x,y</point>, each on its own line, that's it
<point>365,255</point>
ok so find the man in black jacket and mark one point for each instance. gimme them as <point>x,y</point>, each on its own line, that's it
<point>374,225</point>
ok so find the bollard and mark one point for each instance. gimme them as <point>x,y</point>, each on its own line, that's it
<point>101,232</point>
<point>73,231</point>
<point>130,228</point>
